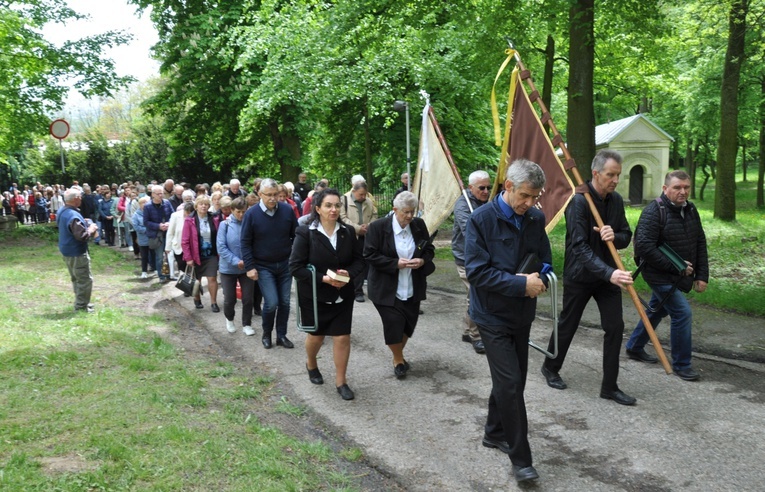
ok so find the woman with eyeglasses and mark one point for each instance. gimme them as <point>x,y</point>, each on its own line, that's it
<point>327,244</point>
<point>400,254</point>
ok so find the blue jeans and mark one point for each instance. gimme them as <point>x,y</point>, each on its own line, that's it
<point>275,283</point>
<point>159,256</point>
<point>679,312</point>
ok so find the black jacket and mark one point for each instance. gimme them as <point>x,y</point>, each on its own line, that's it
<point>382,258</point>
<point>587,256</point>
<point>311,246</point>
<point>461,215</point>
<point>683,233</point>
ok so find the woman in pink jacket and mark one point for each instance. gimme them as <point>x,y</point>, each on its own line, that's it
<point>199,246</point>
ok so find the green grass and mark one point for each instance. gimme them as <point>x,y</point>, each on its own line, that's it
<point>100,402</point>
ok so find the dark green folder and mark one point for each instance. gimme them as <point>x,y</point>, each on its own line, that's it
<point>677,261</point>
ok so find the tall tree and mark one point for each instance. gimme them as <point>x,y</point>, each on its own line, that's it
<point>725,197</point>
<point>580,121</point>
<point>35,75</point>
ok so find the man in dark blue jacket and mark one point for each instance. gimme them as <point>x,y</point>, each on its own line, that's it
<point>678,225</point>
<point>590,272</point>
<point>499,236</point>
<point>156,219</point>
<point>268,229</point>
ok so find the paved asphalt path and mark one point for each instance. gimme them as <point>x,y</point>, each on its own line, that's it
<point>426,430</point>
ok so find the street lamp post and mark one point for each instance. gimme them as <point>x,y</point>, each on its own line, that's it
<point>404,106</point>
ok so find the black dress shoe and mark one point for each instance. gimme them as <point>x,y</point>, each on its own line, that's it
<point>479,347</point>
<point>642,356</point>
<point>314,375</point>
<point>495,444</point>
<point>687,374</point>
<point>360,298</point>
<point>345,392</point>
<point>284,342</point>
<point>466,338</point>
<point>198,304</point>
<point>400,371</point>
<point>618,396</point>
<point>523,473</point>
<point>214,308</point>
<point>267,342</point>
<point>553,379</point>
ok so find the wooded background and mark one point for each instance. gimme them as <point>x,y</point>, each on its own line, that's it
<point>268,88</point>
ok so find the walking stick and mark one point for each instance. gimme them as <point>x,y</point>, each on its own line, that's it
<point>571,165</point>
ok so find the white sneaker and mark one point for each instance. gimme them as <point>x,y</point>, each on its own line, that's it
<point>248,331</point>
<point>130,248</point>
<point>144,275</point>
<point>230,326</point>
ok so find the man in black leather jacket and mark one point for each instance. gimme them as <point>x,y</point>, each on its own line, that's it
<point>590,272</point>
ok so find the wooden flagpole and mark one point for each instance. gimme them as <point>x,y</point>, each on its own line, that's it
<point>448,154</point>
<point>570,165</point>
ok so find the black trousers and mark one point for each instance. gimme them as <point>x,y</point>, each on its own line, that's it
<point>108,226</point>
<point>358,280</point>
<point>507,351</point>
<point>228,282</point>
<point>609,299</point>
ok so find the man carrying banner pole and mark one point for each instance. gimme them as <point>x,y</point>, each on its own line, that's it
<point>525,135</point>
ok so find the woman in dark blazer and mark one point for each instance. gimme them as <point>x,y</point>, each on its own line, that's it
<point>327,244</point>
<point>400,255</point>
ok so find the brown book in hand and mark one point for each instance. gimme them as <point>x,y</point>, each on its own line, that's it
<point>336,276</point>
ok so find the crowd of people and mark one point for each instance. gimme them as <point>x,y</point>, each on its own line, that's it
<point>252,244</point>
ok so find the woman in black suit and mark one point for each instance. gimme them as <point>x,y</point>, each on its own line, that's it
<point>400,255</point>
<point>327,244</point>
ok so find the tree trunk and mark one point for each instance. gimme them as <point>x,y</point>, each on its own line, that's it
<point>286,145</point>
<point>580,123</point>
<point>548,74</point>
<point>743,159</point>
<point>761,173</point>
<point>368,148</point>
<point>725,196</point>
<point>690,167</point>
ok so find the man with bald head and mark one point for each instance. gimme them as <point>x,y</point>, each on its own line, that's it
<point>167,189</point>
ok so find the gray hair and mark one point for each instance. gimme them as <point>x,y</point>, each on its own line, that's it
<point>405,199</point>
<point>188,194</point>
<point>71,194</point>
<point>268,183</point>
<point>599,162</point>
<point>522,171</point>
<point>356,178</point>
<point>359,185</point>
<point>475,176</point>
<point>234,182</point>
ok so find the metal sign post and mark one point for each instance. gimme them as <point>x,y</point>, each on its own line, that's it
<point>60,129</point>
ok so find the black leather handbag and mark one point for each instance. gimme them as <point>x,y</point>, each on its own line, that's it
<point>187,282</point>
